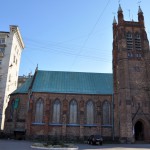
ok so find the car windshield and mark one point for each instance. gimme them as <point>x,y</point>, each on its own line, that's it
<point>97,136</point>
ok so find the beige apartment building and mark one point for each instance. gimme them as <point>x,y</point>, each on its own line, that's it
<point>11,45</point>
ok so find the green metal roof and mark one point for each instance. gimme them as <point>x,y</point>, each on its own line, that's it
<point>24,87</point>
<point>70,82</point>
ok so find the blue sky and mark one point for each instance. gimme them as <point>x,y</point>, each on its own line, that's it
<point>68,35</point>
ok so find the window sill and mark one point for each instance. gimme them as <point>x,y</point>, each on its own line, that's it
<point>55,124</point>
<point>106,126</point>
<point>36,123</point>
<point>90,125</point>
<point>73,125</point>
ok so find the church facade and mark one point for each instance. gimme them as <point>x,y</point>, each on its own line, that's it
<point>74,105</point>
<point>64,104</point>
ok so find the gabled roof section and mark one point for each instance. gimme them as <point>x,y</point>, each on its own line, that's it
<point>73,82</point>
<point>23,89</point>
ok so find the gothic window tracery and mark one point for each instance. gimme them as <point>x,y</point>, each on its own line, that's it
<point>39,111</point>
<point>106,113</point>
<point>56,111</point>
<point>90,112</point>
<point>73,112</point>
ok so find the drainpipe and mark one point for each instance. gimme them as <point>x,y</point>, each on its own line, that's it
<point>113,117</point>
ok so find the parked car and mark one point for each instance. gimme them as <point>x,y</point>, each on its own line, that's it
<point>95,139</point>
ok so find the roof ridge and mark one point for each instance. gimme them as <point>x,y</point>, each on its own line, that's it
<point>73,72</point>
<point>69,82</point>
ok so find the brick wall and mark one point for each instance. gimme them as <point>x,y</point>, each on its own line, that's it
<point>80,130</point>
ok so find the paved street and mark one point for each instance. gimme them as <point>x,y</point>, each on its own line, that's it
<point>15,145</point>
<point>25,145</point>
<point>115,147</point>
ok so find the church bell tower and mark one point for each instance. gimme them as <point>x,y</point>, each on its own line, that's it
<point>131,74</point>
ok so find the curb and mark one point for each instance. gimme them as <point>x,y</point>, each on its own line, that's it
<point>50,148</point>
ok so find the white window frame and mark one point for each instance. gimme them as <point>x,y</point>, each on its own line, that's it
<point>2,40</point>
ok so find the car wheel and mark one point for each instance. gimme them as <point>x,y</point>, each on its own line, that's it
<point>101,143</point>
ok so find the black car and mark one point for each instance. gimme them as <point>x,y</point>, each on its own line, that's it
<point>95,139</point>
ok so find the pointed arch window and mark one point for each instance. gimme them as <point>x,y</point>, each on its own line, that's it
<point>106,113</point>
<point>129,41</point>
<point>39,111</point>
<point>90,112</point>
<point>73,112</point>
<point>56,112</point>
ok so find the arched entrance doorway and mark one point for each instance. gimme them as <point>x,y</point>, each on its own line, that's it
<point>139,131</point>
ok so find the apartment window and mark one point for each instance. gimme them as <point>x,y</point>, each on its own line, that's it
<point>10,78</point>
<point>14,59</point>
<point>129,41</point>
<point>2,49</point>
<point>0,62</point>
<point>2,40</point>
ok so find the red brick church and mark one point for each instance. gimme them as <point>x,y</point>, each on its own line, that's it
<point>75,105</point>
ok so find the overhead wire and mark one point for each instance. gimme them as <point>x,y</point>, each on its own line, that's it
<point>65,50</point>
<point>47,50</point>
<point>56,47</point>
<point>62,50</point>
<point>59,45</point>
<point>91,32</point>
